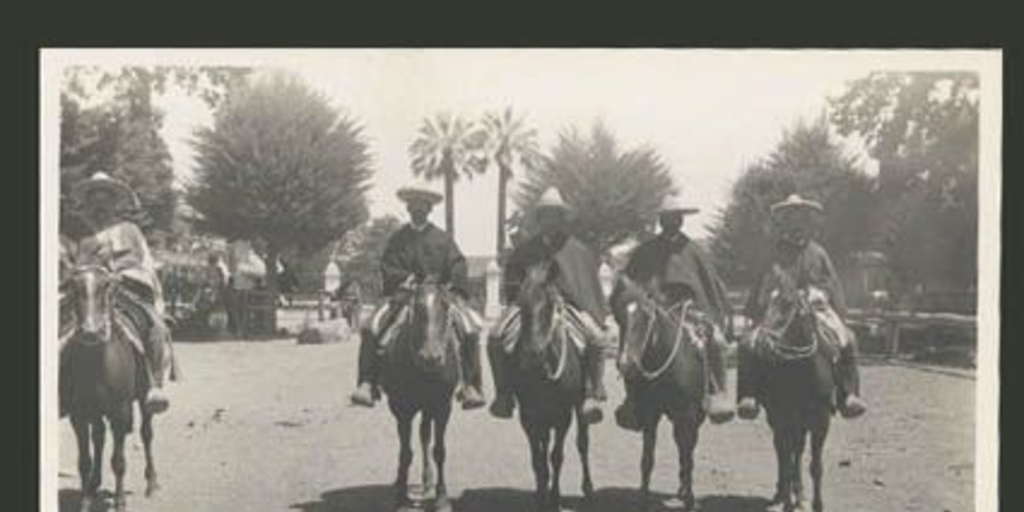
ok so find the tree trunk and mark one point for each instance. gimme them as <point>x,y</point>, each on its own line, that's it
<point>503,175</point>
<point>449,204</point>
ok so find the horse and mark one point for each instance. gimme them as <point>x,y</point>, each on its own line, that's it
<point>419,375</point>
<point>661,358</point>
<point>798,389</point>
<point>101,378</point>
<point>546,378</point>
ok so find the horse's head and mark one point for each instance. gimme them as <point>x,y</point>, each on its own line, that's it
<point>650,313</point>
<point>92,289</point>
<point>430,323</point>
<point>540,305</point>
<point>790,314</point>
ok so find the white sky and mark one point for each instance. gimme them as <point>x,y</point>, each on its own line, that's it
<point>708,113</point>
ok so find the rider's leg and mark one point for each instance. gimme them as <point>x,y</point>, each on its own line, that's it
<point>63,382</point>
<point>498,353</point>
<point>157,342</point>
<point>720,409</point>
<point>472,385</point>
<point>748,379</point>
<point>593,363</point>
<point>851,405</point>
<point>366,392</point>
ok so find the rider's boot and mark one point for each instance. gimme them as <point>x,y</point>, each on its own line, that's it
<point>594,392</point>
<point>472,385</point>
<point>720,408</point>
<point>747,379</point>
<point>156,401</point>
<point>850,404</point>
<point>504,403</point>
<point>366,392</point>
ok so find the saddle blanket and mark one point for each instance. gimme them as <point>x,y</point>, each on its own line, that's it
<point>581,328</point>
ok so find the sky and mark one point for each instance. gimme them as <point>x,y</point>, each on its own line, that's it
<point>707,113</point>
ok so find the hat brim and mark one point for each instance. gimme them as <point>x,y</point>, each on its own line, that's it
<point>123,193</point>
<point>683,211</point>
<point>422,196</point>
<point>812,206</point>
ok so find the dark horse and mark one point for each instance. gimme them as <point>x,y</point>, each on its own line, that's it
<point>102,377</point>
<point>420,373</point>
<point>661,357</point>
<point>798,387</point>
<point>547,379</point>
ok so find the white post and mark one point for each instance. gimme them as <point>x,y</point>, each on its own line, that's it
<point>492,308</point>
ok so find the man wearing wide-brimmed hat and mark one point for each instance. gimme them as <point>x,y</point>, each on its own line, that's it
<point>682,272</point>
<point>578,280</point>
<point>799,260</point>
<point>102,199</point>
<point>417,251</point>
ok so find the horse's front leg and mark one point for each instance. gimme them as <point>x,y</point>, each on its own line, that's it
<point>818,436</point>
<point>557,458</point>
<point>650,433</point>
<point>583,446</point>
<point>782,456</point>
<point>404,459</point>
<point>99,440</point>
<point>441,504</point>
<point>117,463</point>
<point>84,461</point>
<point>799,442</point>
<point>685,431</point>
<point>147,442</point>
<point>539,440</point>
<point>427,475</point>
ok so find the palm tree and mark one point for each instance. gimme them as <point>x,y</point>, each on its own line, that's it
<point>448,147</point>
<point>508,141</point>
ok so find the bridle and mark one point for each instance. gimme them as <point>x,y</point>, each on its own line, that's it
<point>771,336</point>
<point>676,312</point>
<point>89,341</point>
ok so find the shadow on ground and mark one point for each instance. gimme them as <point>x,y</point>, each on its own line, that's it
<point>68,500</point>
<point>377,498</point>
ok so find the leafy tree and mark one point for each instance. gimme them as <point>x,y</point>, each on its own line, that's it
<point>109,123</point>
<point>281,166</point>
<point>807,161</point>
<point>613,193</point>
<point>509,141</point>
<point>922,127</point>
<point>448,148</point>
<point>360,253</point>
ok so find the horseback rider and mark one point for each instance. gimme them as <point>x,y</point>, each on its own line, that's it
<point>577,279</point>
<point>415,252</point>
<point>684,272</point>
<point>101,199</point>
<point>800,260</point>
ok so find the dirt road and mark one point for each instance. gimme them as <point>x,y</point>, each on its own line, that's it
<point>265,426</point>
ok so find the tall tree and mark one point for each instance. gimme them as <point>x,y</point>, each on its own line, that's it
<point>280,165</point>
<point>109,123</point>
<point>922,127</point>
<point>448,148</point>
<point>614,194</point>
<point>509,141</point>
<point>807,161</point>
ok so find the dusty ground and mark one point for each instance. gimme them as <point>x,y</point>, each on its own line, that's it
<point>265,426</point>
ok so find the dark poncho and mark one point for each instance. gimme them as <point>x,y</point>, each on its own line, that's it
<point>577,276</point>
<point>676,260</point>
<point>806,265</point>
<point>422,253</point>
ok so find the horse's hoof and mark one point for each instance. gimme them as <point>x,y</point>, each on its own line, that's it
<point>588,490</point>
<point>442,505</point>
<point>151,488</point>
<point>120,504</point>
<point>85,505</point>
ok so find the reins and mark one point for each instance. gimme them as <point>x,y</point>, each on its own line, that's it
<point>788,352</point>
<point>683,308</point>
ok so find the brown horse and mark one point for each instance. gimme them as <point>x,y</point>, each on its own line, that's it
<point>419,375</point>
<point>101,377</point>
<point>798,389</point>
<point>667,370</point>
<point>547,379</point>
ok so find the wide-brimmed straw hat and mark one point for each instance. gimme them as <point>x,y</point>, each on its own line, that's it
<point>419,194</point>
<point>676,204</point>
<point>103,181</point>
<point>552,199</point>
<point>795,202</point>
